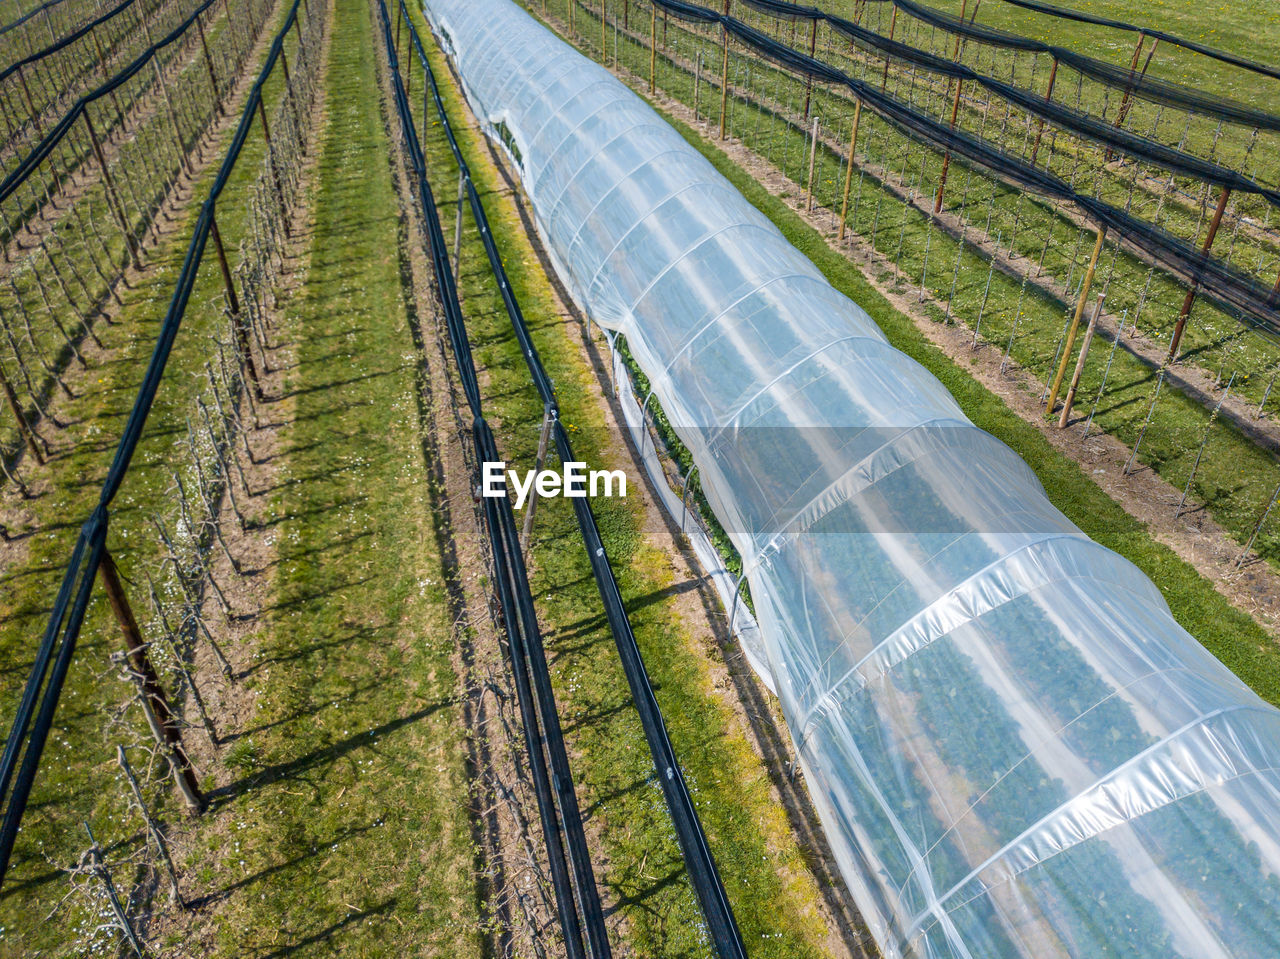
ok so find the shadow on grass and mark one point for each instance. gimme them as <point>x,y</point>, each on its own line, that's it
<point>324,934</point>
<point>225,892</point>
<point>294,768</point>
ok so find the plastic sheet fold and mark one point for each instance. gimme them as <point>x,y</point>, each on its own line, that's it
<point>1014,748</point>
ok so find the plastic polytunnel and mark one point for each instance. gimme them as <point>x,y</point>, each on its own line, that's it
<point>1014,748</point>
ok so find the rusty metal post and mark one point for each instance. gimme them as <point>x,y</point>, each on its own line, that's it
<point>946,157</point>
<point>1048,95</point>
<point>26,91</point>
<point>28,434</point>
<point>893,24</point>
<point>1195,286</point>
<point>113,196</point>
<point>208,62</point>
<point>155,703</point>
<point>232,299</point>
<point>1075,323</point>
<point>848,173</point>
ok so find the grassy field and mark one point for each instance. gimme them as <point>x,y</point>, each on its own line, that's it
<point>343,793</point>
<point>341,818</point>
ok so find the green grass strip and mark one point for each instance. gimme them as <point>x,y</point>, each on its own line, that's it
<point>346,827</point>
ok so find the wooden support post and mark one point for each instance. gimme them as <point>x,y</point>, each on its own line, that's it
<point>724,77</point>
<point>946,157</point>
<point>808,81</point>
<point>28,434</point>
<point>113,196</point>
<point>208,62</point>
<point>275,170</point>
<point>813,156</point>
<point>154,702</point>
<point>653,51</point>
<point>1133,66</point>
<point>893,24</point>
<point>697,87</point>
<point>1080,361</point>
<point>848,173</point>
<point>964,5</point>
<point>604,40</point>
<point>1190,300</point>
<point>232,299</point>
<point>1048,95</point>
<point>1075,323</point>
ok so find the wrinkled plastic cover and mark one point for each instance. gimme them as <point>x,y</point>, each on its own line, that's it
<point>1014,748</point>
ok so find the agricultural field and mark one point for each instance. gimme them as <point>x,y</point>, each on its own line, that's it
<point>282,281</point>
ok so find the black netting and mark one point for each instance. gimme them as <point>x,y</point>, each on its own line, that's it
<point>1251,300</point>
<point>1118,77</point>
<point>1083,125</point>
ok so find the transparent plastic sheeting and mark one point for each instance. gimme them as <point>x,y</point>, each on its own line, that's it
<point>1014,748</point>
